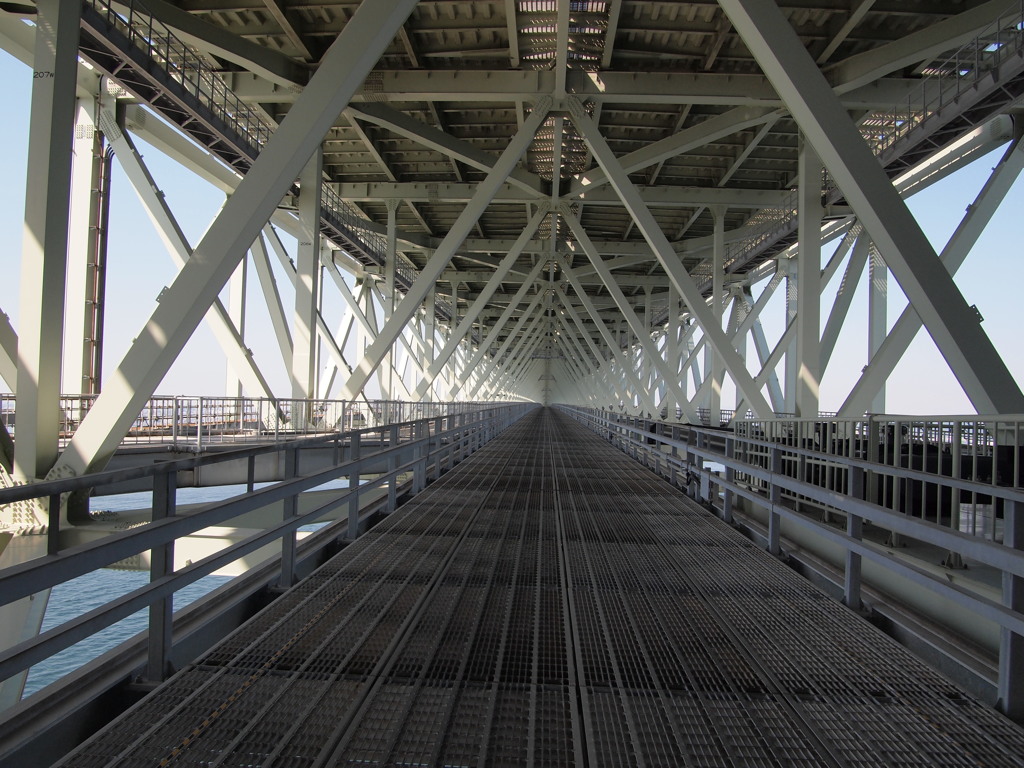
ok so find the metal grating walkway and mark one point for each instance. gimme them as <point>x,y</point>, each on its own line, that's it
<point>551,602</point>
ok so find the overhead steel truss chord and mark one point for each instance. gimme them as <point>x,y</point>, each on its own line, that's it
<point>930,289</point>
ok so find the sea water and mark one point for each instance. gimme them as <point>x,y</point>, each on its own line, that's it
<point>75,597</point>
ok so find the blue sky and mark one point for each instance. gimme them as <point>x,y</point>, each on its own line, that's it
<point>139,268</point>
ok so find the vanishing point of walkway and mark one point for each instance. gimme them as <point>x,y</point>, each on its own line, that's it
<point>551,602</point>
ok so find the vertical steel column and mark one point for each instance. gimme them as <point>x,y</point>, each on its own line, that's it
<point>792,372</point>
<point>713,361</point>
<point>419,472</point>
<point>390,269</point>
<point>1011,645</point>
<point>808,316</point>
<point>854,529</point>
<point>236,311</point>
<point>775,497</point>
<point>291,509</point>
<point>45,238</point>
<point>353,486</point>
<point>86,240</point>
<point>436,441</point>
<point>730,475</point>
<point>430,330</point>
<point>392,466</point>
<point>303,364</point>
<point>161,565</point>
<point>878,327</point>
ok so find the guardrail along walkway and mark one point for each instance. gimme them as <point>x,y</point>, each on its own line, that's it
<point>552,602</point>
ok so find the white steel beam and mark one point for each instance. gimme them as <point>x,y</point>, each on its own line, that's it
<point>761,348</point>
<point>466,324</point>
<point>500,323</point>
<point>619,355</point>
<point>344,332</point>
<point>808,318</point>
<point>271,294</point>
<point>561,48</point>
<point>902,333</point>
<point>178,248</point>
<point>715,368</point>
<point>844,298</point>
<point>529,315</point>
<point>428,136</point>
<point>238,286</point>
<point>858,10</point>
<point>342,70</point>
<point>44,242</point>
<point>769,364</point>
<point>643,334</point>
<point>8,352</point>
<point>363,323</point>
<point>668,259</point>
<point>390,381</point>
<point>461,85</point>
<point>712,129</point>
<point>307,280</point>
<point>953,325</point>
<point>502,364</point>
<point>439,260</point>
<point>81,249</point>
<point>878,300</point>
<point>580,358</point>
<point>512,29</point>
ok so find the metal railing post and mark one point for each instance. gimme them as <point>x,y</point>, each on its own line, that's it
<point>775,497</point>
<point>438,427</point>
<point>392,466</point>
<point>1011,645</point>
<point>730,475</point>
<point>291,509</point>
<point>53,525</point>
<point>199,426</point>
<point>419,473</point>
<point>855,530</point>
<point>250,474</point>
<point>161,564</point>
<point>353,485</point>
<point>705,480</point>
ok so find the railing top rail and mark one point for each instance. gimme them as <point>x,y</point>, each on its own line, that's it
<point>109,477</point>
<point>1008,492</point>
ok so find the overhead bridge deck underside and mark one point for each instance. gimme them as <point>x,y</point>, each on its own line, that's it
<point>549,601</point>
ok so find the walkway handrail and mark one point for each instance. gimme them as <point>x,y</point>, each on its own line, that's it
<point>944,83</point>
<point>193,422</point>
<point>422,448</point>
<point>680,452</point>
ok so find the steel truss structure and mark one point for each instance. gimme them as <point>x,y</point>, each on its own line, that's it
<point>586,202</point>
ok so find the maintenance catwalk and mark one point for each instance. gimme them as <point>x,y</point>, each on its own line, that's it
<point>551,602</point>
